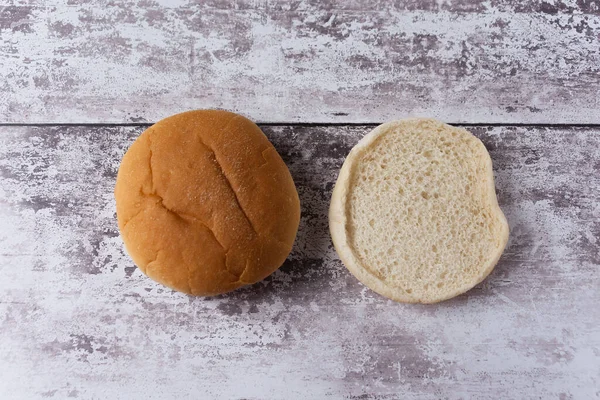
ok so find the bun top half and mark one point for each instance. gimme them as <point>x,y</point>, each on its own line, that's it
<point>205,204</point>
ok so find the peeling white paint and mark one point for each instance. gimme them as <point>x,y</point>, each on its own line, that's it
<point>117,63</point>
<point>78,319</point>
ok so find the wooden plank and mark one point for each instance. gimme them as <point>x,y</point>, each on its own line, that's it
<point>472,61</point>
<point>74,309</point>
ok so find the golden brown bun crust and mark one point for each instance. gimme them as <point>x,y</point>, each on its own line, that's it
<point>205,204</point>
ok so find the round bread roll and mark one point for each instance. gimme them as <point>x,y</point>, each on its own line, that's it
<point>414,214</point>
<point>205,204</point>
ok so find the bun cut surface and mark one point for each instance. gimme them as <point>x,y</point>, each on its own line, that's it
<point>414,214</point>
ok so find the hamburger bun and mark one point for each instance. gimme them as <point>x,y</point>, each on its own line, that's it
<point>205,204</point>
<point>414,214</point>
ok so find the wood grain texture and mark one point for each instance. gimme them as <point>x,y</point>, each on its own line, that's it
<point>78,320</point>
<point>474,61</point>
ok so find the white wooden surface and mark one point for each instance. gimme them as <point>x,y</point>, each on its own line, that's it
<point>303,61</point>
<point>78,319</point>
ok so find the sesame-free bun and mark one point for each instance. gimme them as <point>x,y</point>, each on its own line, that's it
<point>414,214</point>
<point>205,204</point>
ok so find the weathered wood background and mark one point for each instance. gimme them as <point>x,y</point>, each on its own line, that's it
<point>78,320</point>
<point>475,61</point>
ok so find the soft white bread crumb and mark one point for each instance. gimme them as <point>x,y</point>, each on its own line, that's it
<point>414,214</point>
